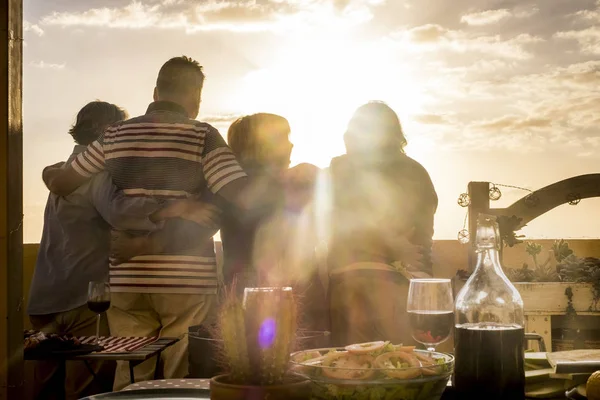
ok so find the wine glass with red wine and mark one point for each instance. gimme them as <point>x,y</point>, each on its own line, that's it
<point>98,302</point>
<point>431,310</point>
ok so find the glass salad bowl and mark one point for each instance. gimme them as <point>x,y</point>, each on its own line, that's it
<point>374,371</point>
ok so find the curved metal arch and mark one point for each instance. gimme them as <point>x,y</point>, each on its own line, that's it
<point>545,199</point>
<point>530,206</point>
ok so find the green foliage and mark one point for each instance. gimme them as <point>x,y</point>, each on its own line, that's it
<point>523,274</point>
<point>507,227</point>
<point>561,250</point>
<point>562,265</point>
<point>574,269</point>
<point>541,272</point>
<point>533,249</point>
<point>233,332</point>
<point>582,270</point>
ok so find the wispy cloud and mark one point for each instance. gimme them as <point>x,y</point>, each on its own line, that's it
<point>590,15</point>
<point>486,17</point>
<point>34,28</point>
<point>430,33</point>
<point>514,142</point>
<point>563,108</point>
<point>431,119</point>
<point>231,15</point>
<point>588,39</point>
<point>220,121</point>
<point>515,133</point>
<point>513,47</point>
<point>514,122</point>
<point>525,12</point>
<point>132,16</point>
<point>214,118</point>
<point>45,65</point>
<point>433,37</point>
<point>585,73</point>
<point>489,17</point>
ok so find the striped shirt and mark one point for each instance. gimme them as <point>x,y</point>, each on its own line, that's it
<point>165,155</point>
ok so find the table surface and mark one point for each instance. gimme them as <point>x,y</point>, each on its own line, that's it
<point>141,354</point>
<point>179,393</point>
<point>164,394</point>
<point>171,384</point>
<point>196,388</point>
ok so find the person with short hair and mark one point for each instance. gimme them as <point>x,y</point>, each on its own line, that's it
<point>382,211</point>
<point>168,155</point>
<point>74,250</point>
<point>262,146</point>
<point>278,249</point>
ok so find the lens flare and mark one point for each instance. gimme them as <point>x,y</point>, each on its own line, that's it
<point>267,333</point>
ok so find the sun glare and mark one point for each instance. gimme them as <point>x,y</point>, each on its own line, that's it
<point>318,83</point>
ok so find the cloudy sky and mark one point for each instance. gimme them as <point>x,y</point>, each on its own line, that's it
<point>500,91</point>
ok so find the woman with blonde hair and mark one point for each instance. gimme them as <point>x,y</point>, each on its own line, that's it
<point>261,143</point>
<point>274,246</point>
<point>262,146</point>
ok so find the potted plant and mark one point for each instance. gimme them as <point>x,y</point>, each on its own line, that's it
<point>558,283</point>
<point>561,265</point>
<point>257,336</point>
<point>560,269</point>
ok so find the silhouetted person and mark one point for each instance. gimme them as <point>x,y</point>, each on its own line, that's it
<point>74,250</point>
<point>164,154</point>
<point>382,209</point>
<point>276,245</point>
<point>262,146</point>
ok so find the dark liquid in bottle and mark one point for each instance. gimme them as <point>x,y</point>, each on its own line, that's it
<point>98,306</point>
<point>431,327</point>
<point>489,362</point>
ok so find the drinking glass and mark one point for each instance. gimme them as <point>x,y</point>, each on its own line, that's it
<point>430,307</point>
<point>98,301</point>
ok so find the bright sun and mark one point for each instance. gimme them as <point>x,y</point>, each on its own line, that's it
<point>317,84</point>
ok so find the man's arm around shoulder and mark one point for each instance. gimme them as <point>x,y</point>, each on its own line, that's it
<point>62,181</point>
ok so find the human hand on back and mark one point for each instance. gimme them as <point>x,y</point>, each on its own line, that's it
<point>301,175</point>
<point>202,213</point>
<point>299,184</point>
<point>124,247</point>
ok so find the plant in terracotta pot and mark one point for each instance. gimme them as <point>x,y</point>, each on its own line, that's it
<point>257,335</point>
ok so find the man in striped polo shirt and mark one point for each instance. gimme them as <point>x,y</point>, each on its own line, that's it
<point>164,154</point>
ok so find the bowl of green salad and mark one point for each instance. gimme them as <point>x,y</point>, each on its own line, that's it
<point>374,371</point>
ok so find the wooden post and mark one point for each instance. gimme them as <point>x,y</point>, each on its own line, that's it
<point>11,200</point>
<point>480,203</point>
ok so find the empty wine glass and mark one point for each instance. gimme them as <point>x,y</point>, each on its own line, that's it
<point>98,301</point>
<point>430,307</point>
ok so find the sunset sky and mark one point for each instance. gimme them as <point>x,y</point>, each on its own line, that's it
<point>500,91</point>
